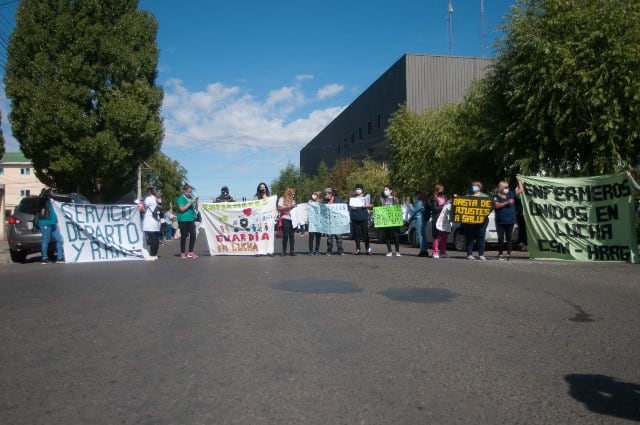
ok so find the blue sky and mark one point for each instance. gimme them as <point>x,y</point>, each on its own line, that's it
<point>248,84</point>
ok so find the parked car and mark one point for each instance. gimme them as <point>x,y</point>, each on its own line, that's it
<point>456,236</point>
<point>25,238</point>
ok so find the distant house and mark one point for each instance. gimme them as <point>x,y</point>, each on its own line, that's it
<point>420,81</point>
<point>19,180</point>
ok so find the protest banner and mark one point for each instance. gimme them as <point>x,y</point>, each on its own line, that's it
<point>388,216</point>
<point>470,209</point>
<point>330,219</point>
<point>299,215</point>
<point>100,232</point>
<point>240,228</point>
<point>583,219</point>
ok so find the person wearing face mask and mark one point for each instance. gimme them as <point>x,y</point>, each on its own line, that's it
<point>331,198</point>
<point>438,202</point>
<point>286,203</point>
<point>390,233</point>
<point>314,237</point>
<point>224,195</point>
<point>504,204</point>
<point>262,191</point>
<point>359,213</point>
<point>475,232</point>
<point>421,212</point>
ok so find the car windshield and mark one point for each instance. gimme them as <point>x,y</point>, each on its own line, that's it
<point>29,205</point>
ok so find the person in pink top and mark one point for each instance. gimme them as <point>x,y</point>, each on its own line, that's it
<point>438,201</point>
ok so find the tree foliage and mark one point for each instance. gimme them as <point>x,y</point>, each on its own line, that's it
<point>436,148</point>
<point>167,176</point>
<point>81,79</point>
<point>564,96</point>
<point>372,175</point>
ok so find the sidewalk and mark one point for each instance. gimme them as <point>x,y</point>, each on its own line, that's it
<point>5,257</point>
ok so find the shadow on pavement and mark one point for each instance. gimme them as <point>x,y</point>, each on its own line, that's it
<point>606,395</point>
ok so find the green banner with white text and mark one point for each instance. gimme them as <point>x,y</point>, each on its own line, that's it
<point>582,219</point>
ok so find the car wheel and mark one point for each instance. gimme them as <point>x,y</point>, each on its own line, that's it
<point>458,240</point>
<point>17,256</point>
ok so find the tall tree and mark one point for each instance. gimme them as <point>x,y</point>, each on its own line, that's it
<point>564,97</point>
<point>167,176</point>
<point>81,79</point>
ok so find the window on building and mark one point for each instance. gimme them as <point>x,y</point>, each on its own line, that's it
<point>368,127</point>
<point>379,122</point>
<point>353,137</point>
<point>1,171</point>
<point>25,171</point>
<point>25,192</point>
<point>360,133</point>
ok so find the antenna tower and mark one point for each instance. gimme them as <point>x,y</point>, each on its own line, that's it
<point>450,19</point>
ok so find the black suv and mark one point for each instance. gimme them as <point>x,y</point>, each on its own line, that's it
<point>25,238</point>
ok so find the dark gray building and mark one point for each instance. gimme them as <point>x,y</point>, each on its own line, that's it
<point>420,81</point>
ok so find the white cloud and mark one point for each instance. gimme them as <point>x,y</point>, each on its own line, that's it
<point>329,90</point>
<point>226,119</point>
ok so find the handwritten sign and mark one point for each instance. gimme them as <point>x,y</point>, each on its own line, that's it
<point>583,219</point>
<point>388,216</point>
<point>331,219</point>
<point>100,232</point>
<point>240,228</point>
<point>470,209</point>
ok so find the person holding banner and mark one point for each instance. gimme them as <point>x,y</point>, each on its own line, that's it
<point>504,205</point>
<point>286,203</point>
<point>151,223</point>
<point>438,202</point>
<point>48,223</point>
<point>331,198</point>
<point>359,205</point>
<point>186,221</point>
<point>389,233</point>
<point>314,237</point>
<point>475,232</point>
<point>262,191</point>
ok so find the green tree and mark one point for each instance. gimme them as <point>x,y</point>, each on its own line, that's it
<point>436,147</point>
<point>167,176</point>
<point>292,176</point>
<point>339,174</point>
<point>372,175</point>
<point>564,96</point>
<point>81,79</point>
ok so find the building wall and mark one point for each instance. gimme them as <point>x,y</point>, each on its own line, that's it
<point>19,179</point>
<point>421,81</point>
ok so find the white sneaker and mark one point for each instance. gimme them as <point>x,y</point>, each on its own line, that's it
<point>483,258</point>
<point>389,254</point>
<point>369,251</point>
<point>398,254</point>
<point>152,258</point>
<point>436,256</point>
<point>471,257</point>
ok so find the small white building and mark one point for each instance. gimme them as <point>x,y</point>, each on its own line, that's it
<point>19,180</point>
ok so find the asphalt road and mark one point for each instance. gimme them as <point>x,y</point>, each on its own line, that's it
<point>320,340</point>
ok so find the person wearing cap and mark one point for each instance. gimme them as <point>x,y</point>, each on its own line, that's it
<point>359,212</point>
<point>331,198</point>
<point>224,195</point>
<point>186,221</point>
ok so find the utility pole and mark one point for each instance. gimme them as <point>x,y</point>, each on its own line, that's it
<point>483,26</point>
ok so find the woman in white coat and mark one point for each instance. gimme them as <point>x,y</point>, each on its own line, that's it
<point>151,223</point>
